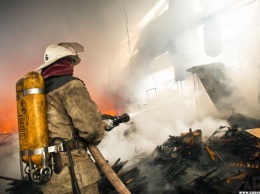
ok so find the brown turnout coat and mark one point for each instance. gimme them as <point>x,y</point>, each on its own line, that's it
<point>71,110</point>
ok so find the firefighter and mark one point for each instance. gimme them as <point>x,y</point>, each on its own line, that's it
<point>71,115</point>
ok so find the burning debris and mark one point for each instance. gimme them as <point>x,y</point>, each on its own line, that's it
<point>226,162</point>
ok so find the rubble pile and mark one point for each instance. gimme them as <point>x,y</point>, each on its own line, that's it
<point>226,162</point>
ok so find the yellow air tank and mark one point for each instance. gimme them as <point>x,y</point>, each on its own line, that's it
<point>32,119</point>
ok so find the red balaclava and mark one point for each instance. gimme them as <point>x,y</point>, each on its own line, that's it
<point>58,68</point>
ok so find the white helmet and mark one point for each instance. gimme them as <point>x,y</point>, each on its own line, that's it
<point>55,52</point>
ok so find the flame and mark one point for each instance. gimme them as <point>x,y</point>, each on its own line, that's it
<point>8,120</point>
<point>6,127</point>
<point>110,112</point>
<point>110,103</point>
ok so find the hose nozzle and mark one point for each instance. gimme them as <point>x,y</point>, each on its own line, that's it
<point>121,119</point>
<point>114,121</point>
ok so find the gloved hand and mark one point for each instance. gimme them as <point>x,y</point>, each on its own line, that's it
<point>112,121</point>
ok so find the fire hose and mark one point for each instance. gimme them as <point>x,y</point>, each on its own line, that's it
<point>99,158</point>
<point>111,122</point>
<point>107,170</point>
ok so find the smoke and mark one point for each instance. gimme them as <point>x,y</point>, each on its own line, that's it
<point>150,125</point>
<point>178,109</point>
<point>9,162</point>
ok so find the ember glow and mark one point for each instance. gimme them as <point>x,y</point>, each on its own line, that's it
<point>8,120</point>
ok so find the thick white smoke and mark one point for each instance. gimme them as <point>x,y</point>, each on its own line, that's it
<point>9,162</point>
<point>154,120</point>
<point>150,125</point>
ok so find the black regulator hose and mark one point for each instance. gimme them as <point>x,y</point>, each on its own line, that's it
<point>74,181</point>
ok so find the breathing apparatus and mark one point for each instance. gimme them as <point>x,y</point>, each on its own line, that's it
<point>35,150</point>
<point>36,153</point>
<point>32,128</point>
